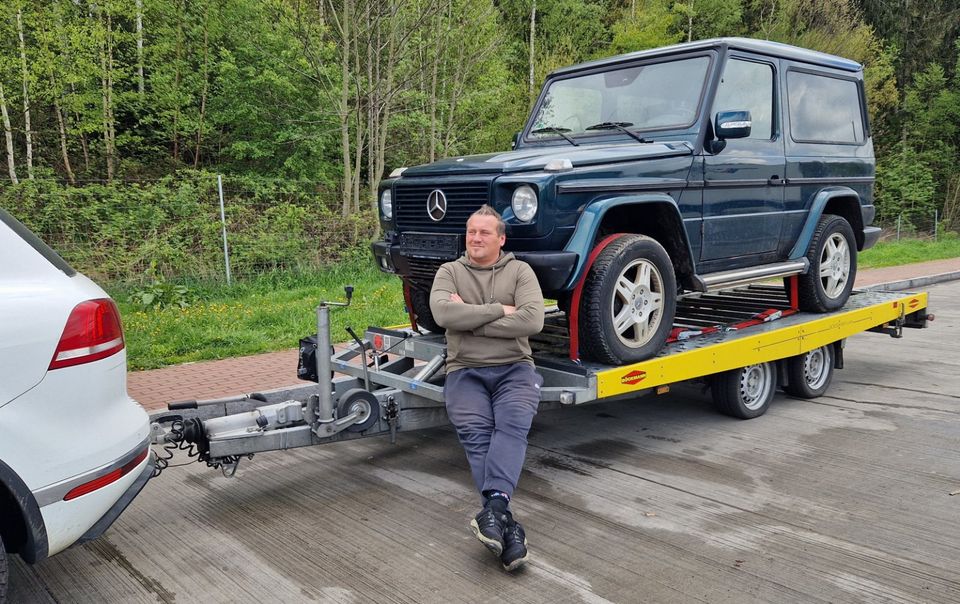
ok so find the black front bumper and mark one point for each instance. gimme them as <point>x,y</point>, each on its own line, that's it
<point>553,269</point>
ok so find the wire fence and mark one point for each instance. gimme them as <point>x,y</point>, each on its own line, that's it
<point>926,227</point>
<point>191,229</point>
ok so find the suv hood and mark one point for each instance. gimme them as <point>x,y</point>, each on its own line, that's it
<point>535,158</point>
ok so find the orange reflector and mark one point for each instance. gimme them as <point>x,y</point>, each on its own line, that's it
<point>102,481</point>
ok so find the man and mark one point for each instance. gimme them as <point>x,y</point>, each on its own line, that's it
<point>490,302</point>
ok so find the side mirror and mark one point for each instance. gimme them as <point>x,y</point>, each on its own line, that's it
<point>516,140</point>
<point>732,124</point>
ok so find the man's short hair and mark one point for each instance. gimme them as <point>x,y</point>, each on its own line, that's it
<point>487,210</point>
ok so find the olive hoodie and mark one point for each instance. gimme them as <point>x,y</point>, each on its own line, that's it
<point>479,334</point>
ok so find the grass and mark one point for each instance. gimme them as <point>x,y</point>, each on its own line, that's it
<point>274,311</point>
<point>908,251</point>
<point>269,313</point>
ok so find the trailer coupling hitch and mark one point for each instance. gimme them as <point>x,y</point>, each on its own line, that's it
<point>187,435</point>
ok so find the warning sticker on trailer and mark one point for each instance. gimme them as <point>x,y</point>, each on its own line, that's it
<point>913,303</point>
<point>634,377</point>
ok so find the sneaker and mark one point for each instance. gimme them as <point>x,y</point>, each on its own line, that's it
<point>488,526</point>
<point>515,552</point>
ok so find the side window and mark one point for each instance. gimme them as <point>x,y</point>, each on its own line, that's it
<point>824,109</point>
<point>748,86</point>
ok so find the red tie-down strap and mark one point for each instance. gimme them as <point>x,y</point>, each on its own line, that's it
<point>574,319</point>
<point>771,314</point>
<point>792,286</point>
<point>409,303</point>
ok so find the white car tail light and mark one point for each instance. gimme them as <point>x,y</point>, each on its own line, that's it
<point>93,332</point>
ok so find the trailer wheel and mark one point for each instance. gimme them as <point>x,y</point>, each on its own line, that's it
<point>420,300</point>
<point>833,266</point>
<point>746,392</point>
<point>629,300</point>
<point>358,399</point>
<point>810,373</point>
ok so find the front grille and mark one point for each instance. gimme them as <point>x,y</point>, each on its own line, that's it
<point>463,199</point>
<point>423,270</point>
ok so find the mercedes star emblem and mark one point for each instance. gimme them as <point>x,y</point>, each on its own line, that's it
<point>436,205</point>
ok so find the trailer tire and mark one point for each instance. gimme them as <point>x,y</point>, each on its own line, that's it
<point>833,266</point>
<point>809,374</point>
<point>746,392</point>
<point>420,300</point>
<point>629,300</point>
<point>358,399</point>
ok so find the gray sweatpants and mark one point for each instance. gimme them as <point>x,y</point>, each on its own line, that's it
<point>492,409</point>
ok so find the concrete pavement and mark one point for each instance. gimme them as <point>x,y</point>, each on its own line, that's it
<point>848,498</point>
<point>215,379</point>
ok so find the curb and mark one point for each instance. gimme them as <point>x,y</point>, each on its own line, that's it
<point>913,283</point>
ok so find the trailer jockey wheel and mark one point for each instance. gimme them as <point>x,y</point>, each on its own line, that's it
<point>810,373</point>
<point>358,399</point>
<point>746,392</point>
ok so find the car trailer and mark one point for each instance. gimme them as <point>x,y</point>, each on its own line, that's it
<point>744,343</point>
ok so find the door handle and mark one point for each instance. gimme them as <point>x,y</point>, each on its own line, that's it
<point>776,181</point>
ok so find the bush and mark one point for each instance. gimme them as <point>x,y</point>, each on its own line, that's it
<point>170,229</point>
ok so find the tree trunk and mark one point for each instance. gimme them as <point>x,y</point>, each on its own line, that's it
<point>206,87</point>
<point>26,96</point>
<point>533,35</point>
<point>8,133</point>
<point>140,84</point>
<point>690,22</point>
<point>63,133</point>
<point>345,108</point>
<point>373,88</point>
<point>358,112</point>
<point>112,130</point>
<point>176,83</point>
<point>433,94</point>
<point>106,85</point>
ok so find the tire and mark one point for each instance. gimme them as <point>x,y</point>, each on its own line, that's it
<point>420,300</point>
<point>810,373</point>
<point>833,266</point>
<point>358,399</point>
<point>3,572</point>
<point>628,302</point>
<point>745,393</point>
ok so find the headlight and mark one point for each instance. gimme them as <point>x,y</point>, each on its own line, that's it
<point>386,203</point>
<point>524,203</point>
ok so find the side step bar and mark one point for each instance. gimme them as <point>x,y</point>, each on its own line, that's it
<point>726,279</point>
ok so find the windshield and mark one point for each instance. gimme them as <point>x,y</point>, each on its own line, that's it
<point>643,97</point>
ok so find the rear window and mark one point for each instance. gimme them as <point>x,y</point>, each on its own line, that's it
<point>824,109</point>
<point>36,243</point>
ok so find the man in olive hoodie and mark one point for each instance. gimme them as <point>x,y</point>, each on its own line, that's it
<point>490,302</point>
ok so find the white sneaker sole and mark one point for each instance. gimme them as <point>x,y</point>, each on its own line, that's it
<point>492,544</point>
<point>518,562</point>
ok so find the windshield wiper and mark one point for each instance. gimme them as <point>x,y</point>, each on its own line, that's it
<point>555,130</point>
<point>621,126</point>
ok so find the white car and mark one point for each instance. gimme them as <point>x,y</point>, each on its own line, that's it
<point>74,448</point>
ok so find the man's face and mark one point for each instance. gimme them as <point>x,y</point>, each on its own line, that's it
<point>483,242</point>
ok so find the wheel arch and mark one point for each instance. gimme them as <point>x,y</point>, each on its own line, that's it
<point>659,219</point>
<point>21,523</point>
<point>841,201</point>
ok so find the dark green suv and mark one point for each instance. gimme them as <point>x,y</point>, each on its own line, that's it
<point>643,177</point>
